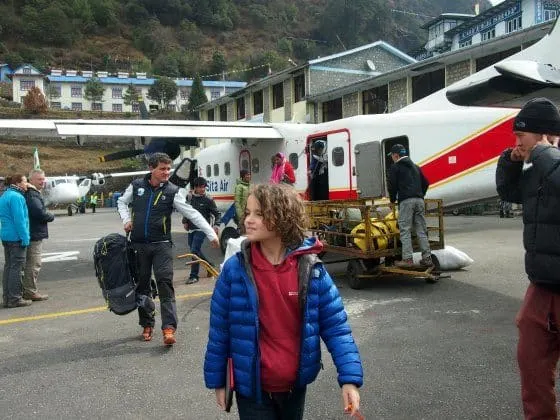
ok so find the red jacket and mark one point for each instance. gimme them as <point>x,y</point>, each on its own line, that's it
<point>289,172</point>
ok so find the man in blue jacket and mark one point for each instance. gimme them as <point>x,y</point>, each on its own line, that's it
<point>38,219</point>
<point>15,238</point>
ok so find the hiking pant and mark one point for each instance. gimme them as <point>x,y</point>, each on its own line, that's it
<point>195,241</point>
<point>159,256</point>
<point>275,406</point>
<point>14,260</point>
<point>538,350</point>
<point>411,215</point>
<point>32,267</point>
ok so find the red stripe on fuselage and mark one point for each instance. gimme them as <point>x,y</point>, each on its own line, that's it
<point>481,148</point>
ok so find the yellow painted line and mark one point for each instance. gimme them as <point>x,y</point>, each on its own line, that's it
<point>85,311</point>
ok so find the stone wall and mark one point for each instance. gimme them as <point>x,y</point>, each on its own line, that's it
<point>288,100</point>
<point>398,94</point>
<point>266,104</point>
<point>231,114</point>
<point>351,105</point>
<point>457,71</point>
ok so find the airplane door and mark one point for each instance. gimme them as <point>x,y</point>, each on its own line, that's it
<point>340,164</point>
<point>369,170</point>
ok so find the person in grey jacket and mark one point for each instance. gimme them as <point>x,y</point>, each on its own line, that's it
<point>529,173</point>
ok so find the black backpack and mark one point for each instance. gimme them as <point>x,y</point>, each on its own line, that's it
<point>115,268</point>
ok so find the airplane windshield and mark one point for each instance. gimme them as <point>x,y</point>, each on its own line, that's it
<point>60,181</point>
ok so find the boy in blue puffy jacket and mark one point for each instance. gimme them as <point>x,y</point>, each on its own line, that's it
<point>272,304</point>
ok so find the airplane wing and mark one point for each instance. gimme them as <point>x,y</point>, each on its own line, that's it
<point>138,128</point>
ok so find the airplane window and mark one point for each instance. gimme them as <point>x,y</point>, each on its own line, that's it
<point>255,166</point>
<point>294,160</point>
<point>60,181</point>
<point>227,169</point>
<point>208,171</point>
<point>216,169</point>
<point>338,156</point>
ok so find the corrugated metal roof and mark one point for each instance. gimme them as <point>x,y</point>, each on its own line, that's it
<point>145,82</point>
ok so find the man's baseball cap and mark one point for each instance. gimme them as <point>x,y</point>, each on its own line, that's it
<point>539,116</point>
<point>399,149</point>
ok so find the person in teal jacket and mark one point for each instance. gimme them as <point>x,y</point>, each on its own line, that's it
<point>14,232</point>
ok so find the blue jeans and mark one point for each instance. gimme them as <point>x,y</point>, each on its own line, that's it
<point>274,406</point>
<point>14,260</point>
<point>195,241</point>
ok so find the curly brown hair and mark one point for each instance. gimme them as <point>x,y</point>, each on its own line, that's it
<point>283,212</point>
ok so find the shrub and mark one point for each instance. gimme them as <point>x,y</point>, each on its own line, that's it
<point>35,101</point>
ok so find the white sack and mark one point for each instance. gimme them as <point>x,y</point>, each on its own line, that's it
<point>233,247</point>
<point>449,258</point>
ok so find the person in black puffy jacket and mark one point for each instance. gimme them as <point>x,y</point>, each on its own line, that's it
<point>529,173</point>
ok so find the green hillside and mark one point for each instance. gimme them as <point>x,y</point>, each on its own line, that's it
<point>179,38</point>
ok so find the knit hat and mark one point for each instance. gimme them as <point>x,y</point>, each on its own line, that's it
<point>539,116</point>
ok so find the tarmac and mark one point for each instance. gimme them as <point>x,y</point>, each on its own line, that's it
<point>429,351</point>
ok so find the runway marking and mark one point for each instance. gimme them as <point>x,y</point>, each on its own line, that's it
<point>85,311</point>
<point>59,256</point>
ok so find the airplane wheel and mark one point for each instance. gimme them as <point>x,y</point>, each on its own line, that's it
<point>227,234</point>
<point>455,212</point>
<point>70,211</point>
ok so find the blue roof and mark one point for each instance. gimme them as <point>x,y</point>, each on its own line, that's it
<point>145,82</point>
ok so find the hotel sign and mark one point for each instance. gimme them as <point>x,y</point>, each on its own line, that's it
<point>491,21</point>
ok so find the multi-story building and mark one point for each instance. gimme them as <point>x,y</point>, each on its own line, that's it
<point>67,91</point>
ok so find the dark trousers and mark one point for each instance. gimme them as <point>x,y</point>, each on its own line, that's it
<point>538,351</point>
<point>195,241</point>
<point>14,260</point>
<point>274,406</point>
<point>93,206</point>
<point>159,256</point>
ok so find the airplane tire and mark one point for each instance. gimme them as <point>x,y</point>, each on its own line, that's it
<point>227,234</point>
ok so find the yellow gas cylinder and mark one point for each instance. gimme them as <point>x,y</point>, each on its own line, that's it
<point>378,229</point>
<point>391,221</point>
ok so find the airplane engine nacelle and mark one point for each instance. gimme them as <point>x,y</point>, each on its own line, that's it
<point>98,179</point>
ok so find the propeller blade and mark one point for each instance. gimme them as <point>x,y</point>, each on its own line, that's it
<point>123,154</point>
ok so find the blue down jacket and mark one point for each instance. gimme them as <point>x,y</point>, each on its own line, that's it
<point>234,326</point>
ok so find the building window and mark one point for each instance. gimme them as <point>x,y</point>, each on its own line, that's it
<point>465,43</point>
<point>550,14</point>
<point>299,87</point>
<point>76,91</point>
<point>214,94</point>
<point>117,107</point>
<point>117,93</point>
<point>258,102</point>
<point>210,115</point>
<point>208,171</point>
<point>489,34</point>
<point>216,169</point>
<point>55,91</point>
<point>26,70</point>
<point>76,106</point>
<point>513,25</point>
<point>135,107</point>
<point>427,83</point>
<point>97,106</point>
<point>255,166</point>
<point>294,160</point>
<point>338,156</point>
<point>55,105</point>
<point>185,93</point>
<point>278,96</point>
<point>375,101</point>
<point>25,85</point>
<point>240,105</point>
<point>332,110</point>
<point>227,168</point>
<point>223,112</point>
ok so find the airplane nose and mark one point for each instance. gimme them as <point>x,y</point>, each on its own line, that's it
<point>66,193</point>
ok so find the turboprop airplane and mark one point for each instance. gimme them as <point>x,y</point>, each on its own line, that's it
<point>457,145</point>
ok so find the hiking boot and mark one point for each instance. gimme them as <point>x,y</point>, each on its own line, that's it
<point>18,303</point>
<point>148,333</point>
<point>169,336</point>
<point>426,262</point>
<point>191,280</point>
<point>35,297</point>
<point>407,263</point>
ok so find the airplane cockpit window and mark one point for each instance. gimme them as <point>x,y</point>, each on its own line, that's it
<point>60,181</point>
<point>255,166</point>
<point>227,168</point>
<point>338,156</point>
<point>208,171</point>
<point>294,160</point>
<point>216,169</point>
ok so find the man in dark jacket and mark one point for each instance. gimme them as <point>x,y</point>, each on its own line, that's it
<point>529,173</point>
<point>152,200</point>
<point>38,219</point>
<point>206,206</point>
<point>408,185</point>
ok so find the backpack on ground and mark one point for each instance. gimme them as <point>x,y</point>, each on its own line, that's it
<point>115,268</point>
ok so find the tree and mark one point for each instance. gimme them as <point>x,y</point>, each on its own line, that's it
<point>94,90</point>
<point>196,98</point>
<point>164,90</point>
<point>218,64</point>
<point>35,101</point>
<point>131,95</point>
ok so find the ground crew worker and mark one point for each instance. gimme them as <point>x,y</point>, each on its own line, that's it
<point>152,200</point>
<point>93,201</point>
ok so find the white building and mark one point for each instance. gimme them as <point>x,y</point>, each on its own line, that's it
<point>66,91</point>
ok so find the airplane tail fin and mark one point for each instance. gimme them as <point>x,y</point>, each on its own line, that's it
<point>36,163</point>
